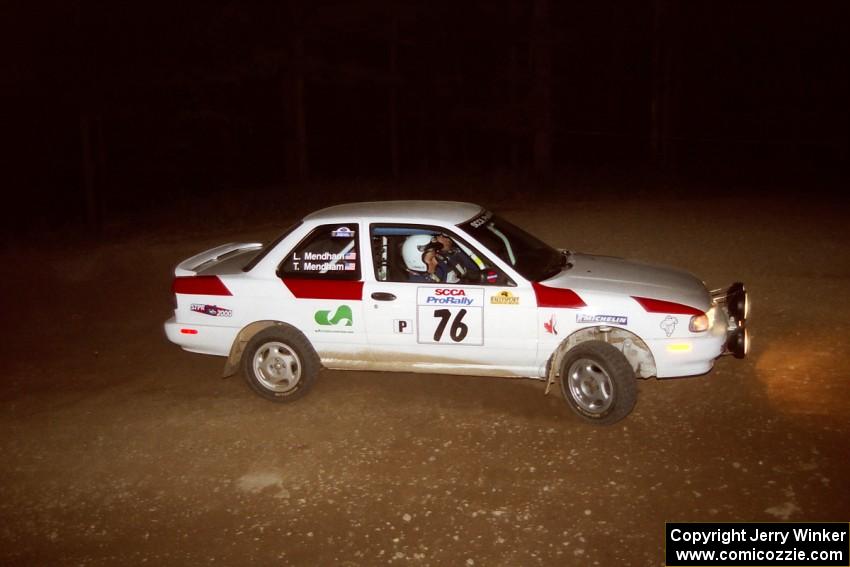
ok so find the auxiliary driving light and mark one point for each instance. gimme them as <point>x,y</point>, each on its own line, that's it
<point>736,302</point>
<point>738,342</point>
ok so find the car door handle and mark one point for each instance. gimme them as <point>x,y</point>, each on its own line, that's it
<point>383,296</point>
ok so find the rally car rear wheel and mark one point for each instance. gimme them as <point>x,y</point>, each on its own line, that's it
<point>598,382</point>
<point>280,364</point>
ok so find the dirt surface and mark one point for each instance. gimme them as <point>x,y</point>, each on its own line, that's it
<point>120,448</point>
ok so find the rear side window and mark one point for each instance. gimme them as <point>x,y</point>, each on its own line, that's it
<point>329,252</point>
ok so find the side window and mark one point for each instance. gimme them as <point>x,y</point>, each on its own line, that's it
<point>428,254</point>
<point>329,252</point>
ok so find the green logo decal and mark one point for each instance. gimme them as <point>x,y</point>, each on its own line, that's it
<point>342,313</point>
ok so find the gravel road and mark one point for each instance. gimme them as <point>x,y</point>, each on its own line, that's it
<point>119,448</point>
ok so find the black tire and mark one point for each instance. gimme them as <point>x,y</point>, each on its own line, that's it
<point>598,382</point>
<point>280,364</point>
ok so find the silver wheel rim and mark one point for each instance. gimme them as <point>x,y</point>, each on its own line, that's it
<point>277,367</point>
<point>590,386</point>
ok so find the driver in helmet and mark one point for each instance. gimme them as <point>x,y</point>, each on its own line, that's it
<point>457,264</point>
<point>420,259</point>
<point>437,259</point>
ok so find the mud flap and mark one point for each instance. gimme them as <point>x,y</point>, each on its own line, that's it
<point>231,367</point>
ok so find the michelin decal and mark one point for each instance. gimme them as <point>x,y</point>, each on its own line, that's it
<point>612,319</point>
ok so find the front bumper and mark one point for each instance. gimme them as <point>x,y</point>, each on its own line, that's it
<point>696,354</point>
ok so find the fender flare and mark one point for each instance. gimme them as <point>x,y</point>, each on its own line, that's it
<point>631,345</point>
<point>231,366</point>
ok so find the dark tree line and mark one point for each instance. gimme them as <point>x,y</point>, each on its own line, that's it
<point>191,98</point>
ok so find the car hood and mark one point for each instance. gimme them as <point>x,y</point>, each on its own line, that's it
<point>638,279</point>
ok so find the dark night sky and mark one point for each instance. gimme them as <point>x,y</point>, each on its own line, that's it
<point>182,99</point>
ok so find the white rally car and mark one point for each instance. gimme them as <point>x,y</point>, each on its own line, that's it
<point>347,288</point>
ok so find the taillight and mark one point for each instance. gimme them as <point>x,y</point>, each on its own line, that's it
<point>199,285</point>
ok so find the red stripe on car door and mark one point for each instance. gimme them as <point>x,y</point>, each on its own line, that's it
<point>325,289</point>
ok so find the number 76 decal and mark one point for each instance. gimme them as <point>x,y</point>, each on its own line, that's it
<point>458,330</point>
<point>450,316</point>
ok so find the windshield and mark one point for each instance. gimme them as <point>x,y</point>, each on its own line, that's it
<point>531,257</point>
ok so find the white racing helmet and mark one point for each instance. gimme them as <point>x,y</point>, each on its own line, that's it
<point>412,251</point>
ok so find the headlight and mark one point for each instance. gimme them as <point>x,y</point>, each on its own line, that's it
<point>700,323</point>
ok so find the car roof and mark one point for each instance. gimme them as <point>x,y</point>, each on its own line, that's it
<point>450,212</point>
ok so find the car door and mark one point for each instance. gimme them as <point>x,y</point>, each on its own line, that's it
<point>411,321</point>
<point>476,327</point>
<point>323,274</point>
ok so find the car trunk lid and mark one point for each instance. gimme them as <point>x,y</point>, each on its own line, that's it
<point>225,259</point>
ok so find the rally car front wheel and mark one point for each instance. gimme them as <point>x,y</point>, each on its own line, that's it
<point>280,364</point>
<point>598,382</point>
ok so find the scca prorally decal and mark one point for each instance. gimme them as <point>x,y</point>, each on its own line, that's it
<point>449,291</point>
<point>449,316</point>
<point>551,325</point>
<point>342,317</point>
<point>613,319</point>
<point>504,298</point>
<point>213,310</point>
<point>448,296</point>
<point>669,324</point>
